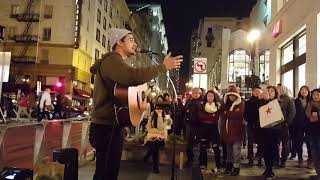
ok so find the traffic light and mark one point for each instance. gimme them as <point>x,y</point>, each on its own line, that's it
<point>58,86</point>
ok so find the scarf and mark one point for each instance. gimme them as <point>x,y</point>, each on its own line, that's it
<point>210,107</point>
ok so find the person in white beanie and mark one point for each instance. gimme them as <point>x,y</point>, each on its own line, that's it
<point>105,135</point>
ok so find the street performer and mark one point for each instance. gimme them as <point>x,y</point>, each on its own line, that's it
<point>105,136</point>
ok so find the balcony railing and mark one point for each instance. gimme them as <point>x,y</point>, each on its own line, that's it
<point>28,17</point>
<point>33,17</point>
<point>26,38</point>
<point>24,59</point>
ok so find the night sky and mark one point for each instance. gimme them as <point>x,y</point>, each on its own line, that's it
<point>181,16</point>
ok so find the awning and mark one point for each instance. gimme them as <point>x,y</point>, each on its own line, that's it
<point>81,93</point>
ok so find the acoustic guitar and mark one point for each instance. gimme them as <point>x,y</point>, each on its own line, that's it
<point>131,103</point>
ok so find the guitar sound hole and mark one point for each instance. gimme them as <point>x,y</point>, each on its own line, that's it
<point>143,95</point>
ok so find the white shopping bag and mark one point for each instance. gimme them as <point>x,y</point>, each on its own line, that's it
<point>270,114</point>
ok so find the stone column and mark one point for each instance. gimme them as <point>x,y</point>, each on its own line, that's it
<point>312,70</point>
<point>225,58</point>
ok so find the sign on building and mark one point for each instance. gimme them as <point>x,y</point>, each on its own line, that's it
<point>5,58</point>
<point>200,65</point>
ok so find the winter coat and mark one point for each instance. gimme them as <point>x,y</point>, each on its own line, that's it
<point>313,128</point>
<point>192,112</point>
<point>300,120</point>
<point>251,113</point>
<point>208,118</point>
<point>232,121</point>
<point>288,108</point>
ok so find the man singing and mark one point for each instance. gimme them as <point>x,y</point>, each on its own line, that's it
<point>105,136</point>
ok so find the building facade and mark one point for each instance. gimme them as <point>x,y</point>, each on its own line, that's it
<point>221,42</point>
<point>149,24</point>
<point>291,37</point>
<point>46,50</point>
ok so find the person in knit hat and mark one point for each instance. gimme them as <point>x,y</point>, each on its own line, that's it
<point>105,135</point>
<point>232,129</point>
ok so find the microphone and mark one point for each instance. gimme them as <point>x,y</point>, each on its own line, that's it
<point>146,51</point>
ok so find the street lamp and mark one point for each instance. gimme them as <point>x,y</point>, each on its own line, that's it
<point>252,37</point>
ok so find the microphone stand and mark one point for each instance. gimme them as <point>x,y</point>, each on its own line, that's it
<point>173,175</point>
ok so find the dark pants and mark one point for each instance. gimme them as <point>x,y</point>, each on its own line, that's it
<point>297,142</point>
<point>190,135</point>
<point>209,133</point>
<point>43,114</point>
<point>315,149</point>
<point>284,144</point>
<point>57,111</point>
<point>108,141</point>
<point>250,134</point>
<point>224,151</point>
<point>284,140</point>
<point>203,158</point>
<point>154,147</point>
<point>270,146</point>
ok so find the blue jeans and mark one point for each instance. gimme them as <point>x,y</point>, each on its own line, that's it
<point>315,151</point>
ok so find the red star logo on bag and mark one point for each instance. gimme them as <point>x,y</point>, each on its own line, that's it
<point>268,110</point>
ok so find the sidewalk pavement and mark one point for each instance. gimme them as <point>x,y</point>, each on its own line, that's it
<point>138,170</point>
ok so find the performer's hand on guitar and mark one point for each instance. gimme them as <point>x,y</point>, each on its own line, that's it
<point>172,62</point>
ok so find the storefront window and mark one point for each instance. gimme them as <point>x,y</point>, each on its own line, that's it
<point>288,80</point>
<point>293,68</point>
<point>264,66</point>
<point>302,75</point>
<point>302,45</point>
<point>287,54</point>
<point>238,64</point>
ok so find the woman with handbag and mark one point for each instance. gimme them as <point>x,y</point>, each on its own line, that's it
<point>272,134</point>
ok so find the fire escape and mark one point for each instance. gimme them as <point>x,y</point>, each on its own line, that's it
<point>26,39</point>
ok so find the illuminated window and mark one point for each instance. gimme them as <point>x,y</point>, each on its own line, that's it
<point>302,75</point>
<point>287,53</point>
<point>264,66</point>
<point>293,68</point>
<point>15,10</point>
<point>239,62</point>
<point>288,80</point>
<point>302,45</point>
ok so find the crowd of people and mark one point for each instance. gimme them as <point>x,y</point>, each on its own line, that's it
<point>47,105</point>
<point>226,122</point>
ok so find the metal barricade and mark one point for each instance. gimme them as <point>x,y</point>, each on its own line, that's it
<point>25,145</point>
